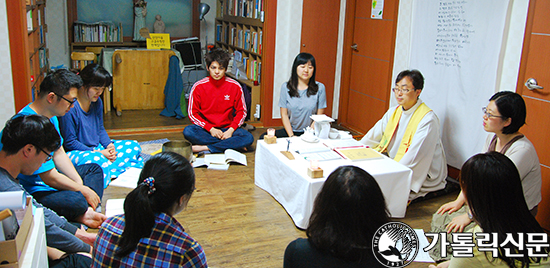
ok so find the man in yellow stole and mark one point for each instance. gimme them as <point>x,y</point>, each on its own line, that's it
<point>409,134</point>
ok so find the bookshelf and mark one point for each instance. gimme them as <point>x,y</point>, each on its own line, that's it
<point>239,30</point>
<point>29,53</point>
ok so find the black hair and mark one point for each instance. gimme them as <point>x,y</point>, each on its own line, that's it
<point>218,55</point>
<point>346,214</point>
<point>292,84</point>
<point>492,187</point>
<point>173,177</point>
<point>414,75</point>
<point>59,82</point>
<point>511,105</point>
<point>94,75</point>
<point>34,129</point>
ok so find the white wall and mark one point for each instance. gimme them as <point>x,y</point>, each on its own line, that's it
<point>210,20</point>
<point>57,38</point>
<point>287,45</point>
<point>7,109</point>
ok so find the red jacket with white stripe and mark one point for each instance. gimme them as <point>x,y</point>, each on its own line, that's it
<point>217,103</point>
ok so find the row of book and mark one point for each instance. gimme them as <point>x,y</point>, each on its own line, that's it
<point>244,8</point>
<point>253,69</point>
<point>103,31</point>
<point>245,39</point>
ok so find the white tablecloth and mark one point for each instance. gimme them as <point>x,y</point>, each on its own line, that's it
<point>287,180</point>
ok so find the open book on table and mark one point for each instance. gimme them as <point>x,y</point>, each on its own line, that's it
<point>358,154</point>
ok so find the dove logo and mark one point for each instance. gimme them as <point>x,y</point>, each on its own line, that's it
<point>395,244</point>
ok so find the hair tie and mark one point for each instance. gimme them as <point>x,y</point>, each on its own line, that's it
<point>150,182</point>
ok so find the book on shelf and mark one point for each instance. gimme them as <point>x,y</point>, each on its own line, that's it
<point>103,31</point>
<point>358,154</point>
<point>244,8</point>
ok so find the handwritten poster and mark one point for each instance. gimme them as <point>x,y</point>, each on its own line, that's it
<point>456,45</point>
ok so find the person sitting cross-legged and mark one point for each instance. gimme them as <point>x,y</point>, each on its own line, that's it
<point>409,134</point>
<point>86,140</point>
<point>217,109</point>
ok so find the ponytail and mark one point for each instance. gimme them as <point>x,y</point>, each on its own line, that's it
<point>165,178</point>
<point>139,219</point>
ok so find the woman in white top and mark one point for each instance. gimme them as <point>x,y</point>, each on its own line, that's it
<point>504,116</point>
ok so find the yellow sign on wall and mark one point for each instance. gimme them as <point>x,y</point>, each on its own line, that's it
<point>158,41</point>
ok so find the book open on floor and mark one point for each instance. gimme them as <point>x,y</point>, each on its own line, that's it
<point>221,161</point>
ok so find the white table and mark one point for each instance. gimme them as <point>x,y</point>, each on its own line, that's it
<point>287,180</point>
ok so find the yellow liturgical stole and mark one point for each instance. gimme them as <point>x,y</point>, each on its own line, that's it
<point>391,128</point>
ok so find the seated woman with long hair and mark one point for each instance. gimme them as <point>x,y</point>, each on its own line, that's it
<point>491,185</point>
<point>301,96</point>
<point>346,214</point>
<point>86,140</point>
<point>148,235</point>
<point>504,116</point>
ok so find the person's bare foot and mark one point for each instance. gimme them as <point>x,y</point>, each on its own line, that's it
<point>199,148</point>
<point>91,218</point>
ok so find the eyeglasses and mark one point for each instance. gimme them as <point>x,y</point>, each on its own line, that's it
<point>69,101</point>
<point>49,155</point>
<point>402,90</point>
<point>486,113</point>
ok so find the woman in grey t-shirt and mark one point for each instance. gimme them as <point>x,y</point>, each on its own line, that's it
<point>301,97</point>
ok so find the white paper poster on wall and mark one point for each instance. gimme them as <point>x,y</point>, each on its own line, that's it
<point>456,45</point>
<point>377,9</point>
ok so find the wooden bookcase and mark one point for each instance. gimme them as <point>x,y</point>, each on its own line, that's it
<point>239,29</point>
<point>29,53</point>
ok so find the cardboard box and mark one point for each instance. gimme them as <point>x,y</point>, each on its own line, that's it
<point>10,251</point>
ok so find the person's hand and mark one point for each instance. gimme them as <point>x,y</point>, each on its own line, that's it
<point>88,238</point>
<point>109,154</point>
<point>444,264</point>
<point>450,207</point>
<point>458,224</point>
<point>91,196</point>
<point>216,133</point>
<point>228,133</point>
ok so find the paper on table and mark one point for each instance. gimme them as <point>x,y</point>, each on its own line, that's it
<point>128,179</point>
<point>422,255</point>
<point>321,118</point>
<point>114,207</point>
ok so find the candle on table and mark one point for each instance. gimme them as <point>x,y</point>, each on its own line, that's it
<point>314,164</point>
<point>271,132</point>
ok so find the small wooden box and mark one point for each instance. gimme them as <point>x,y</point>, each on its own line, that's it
<point>315,173</point>
<point>270,139</point>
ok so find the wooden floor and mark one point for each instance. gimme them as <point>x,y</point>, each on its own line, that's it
<point>237,223</point>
